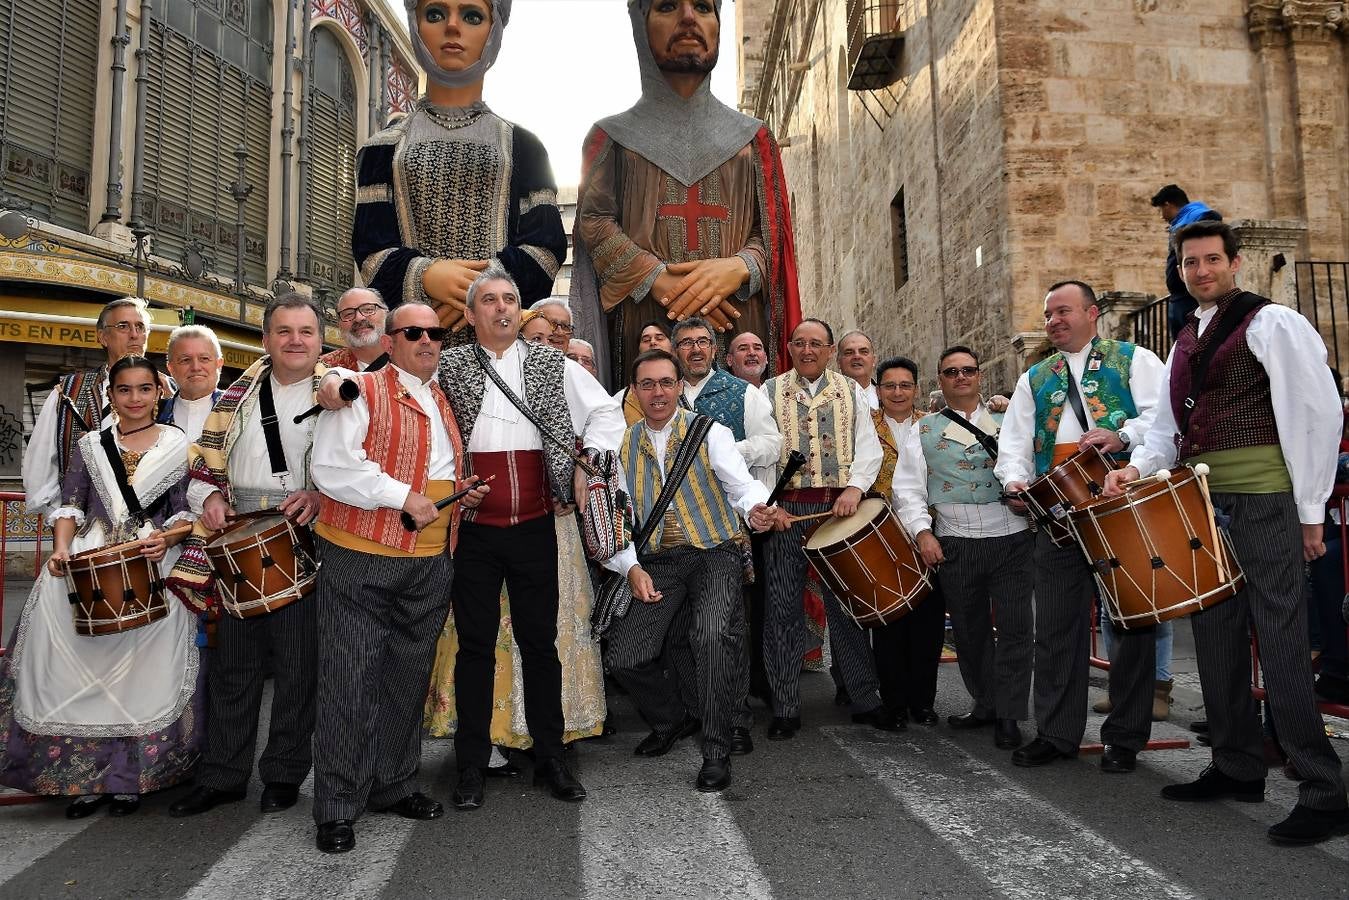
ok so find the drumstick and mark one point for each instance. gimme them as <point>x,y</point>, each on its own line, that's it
<point>348,390</point>
<point>411,524</point>
<point>795,460</point>
<point>1159,476</point>
<point>172,532</point>
<point>1201,471</point>
<point>808,517</point>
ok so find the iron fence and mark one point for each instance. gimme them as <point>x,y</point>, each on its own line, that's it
<point>1151,329</point>
<point>1323,297</point>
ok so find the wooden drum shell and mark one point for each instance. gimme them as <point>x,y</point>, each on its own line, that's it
<point>870,563</point>
<point>114,589</point>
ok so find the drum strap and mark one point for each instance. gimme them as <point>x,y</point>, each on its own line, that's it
<point>683,461</point>
<point>1221,330</point>
<point>986,440</point>
<point>271,429</point>
<point>133,503</point>
<point>1075,399</point>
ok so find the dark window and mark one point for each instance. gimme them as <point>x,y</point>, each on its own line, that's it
<point>332,164</point>
<point>899,239</point>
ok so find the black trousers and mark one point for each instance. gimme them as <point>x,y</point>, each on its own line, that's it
<point>524,558</point>
<point>907,655</point>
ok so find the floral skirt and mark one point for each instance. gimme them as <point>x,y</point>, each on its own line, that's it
<point>73,765</point>
<point>583,706</point>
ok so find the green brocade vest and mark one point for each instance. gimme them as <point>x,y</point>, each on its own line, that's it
<point>1106,396</point>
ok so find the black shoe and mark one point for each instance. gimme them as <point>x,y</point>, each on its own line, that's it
<point>1039,752</point>
<point>715,774</point>
<point>554,775</point>
<point>741,742</point>
<point>783,727</point>
<point>841,697</point>
<point>659,743</point>
<point>124,804</point>
<point>1199,726</point>
<point>1332,688</point>
<point>336,836</point>
<point>509,770</point>
<point>416,806</point>
<point>1118,760</point>
<point>1006,734</point>
<point>1213,784</point>
<point>468,792</point>
<point>86,807</point>
<point>968,720</point>
<point>203,799</point>
<point>1305,825</point>
<point>927,716</point>
<point>879,718</point>
<point>278,795</point>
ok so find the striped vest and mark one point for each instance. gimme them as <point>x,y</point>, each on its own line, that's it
<point>80,414</point>
<point>959,470</point>
<point>399,439</point>
<point>1106,396</point>
<point>723,400</point>
<point>821,428</point>
<point>700,509</point>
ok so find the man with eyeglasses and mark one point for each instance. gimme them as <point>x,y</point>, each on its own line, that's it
<point>822,415</point>
<point>361,313</point>
<point>984,553</point>
<point>745,411</point>
<point>691,562</point>
<point>582,352</point>
<point>1089,391</point>
<point>382,590</point>
<point>79,404</point>
<point>558,315</point>
<point>857,360</point>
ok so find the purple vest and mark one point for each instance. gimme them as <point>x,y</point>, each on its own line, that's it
<point>1233,408</point>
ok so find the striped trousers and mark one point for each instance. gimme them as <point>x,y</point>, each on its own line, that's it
<point>987,581</point>
<point>708,584</point>
<point>379,620</point>
<point>784,637</point>
<point>1268,542</point>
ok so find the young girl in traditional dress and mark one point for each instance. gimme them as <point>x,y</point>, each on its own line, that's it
<point>106,718</point>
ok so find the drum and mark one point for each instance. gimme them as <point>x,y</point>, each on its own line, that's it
<point>263,564</point>
<point>114,589</point>
<point>870,563</point>
<point>1076,481</point>
<point>1156,551</point>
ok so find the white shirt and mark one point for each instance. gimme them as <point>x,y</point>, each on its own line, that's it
<point>595,416</point>
<point>908,488</point>
<point>1016,443</point>
<point>190,415</point>
<point>763,442</point>
<point>41,473</point>
<point>249,466</point>
<point>1307,410</point>
<point>340,467</point>
<point>977,520</point>
<point>741,488</point>
<point>869,392</point>
<point>867,454</point>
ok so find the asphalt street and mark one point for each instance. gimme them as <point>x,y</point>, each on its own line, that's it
<point>840,811</point>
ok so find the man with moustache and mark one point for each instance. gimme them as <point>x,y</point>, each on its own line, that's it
<point>361,314</point>
<point>78,404</point>
<point>194,362</point>
<point>382,590</point>
<point>683,208</point>
<point>746,359</point>
<point>857,360</point>
<point>232,471</point>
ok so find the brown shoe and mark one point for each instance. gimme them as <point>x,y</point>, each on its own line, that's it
<point>1102,706</point>
<point>1161,700</point>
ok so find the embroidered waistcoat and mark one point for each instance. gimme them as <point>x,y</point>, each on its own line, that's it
<point>889,455</point>
<point>700,508</point>
<point>464,382</point>
<point>1234,407</point>
<point>723,400</point>
<point>821,428</point>
<point>399,439</point>
<point>1106,396</point>
<point>958,472</point>
<point>80,412</point>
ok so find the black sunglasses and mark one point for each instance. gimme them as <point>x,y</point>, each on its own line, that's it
<point>414,333</point>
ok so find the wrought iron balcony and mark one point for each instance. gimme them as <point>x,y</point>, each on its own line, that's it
<point>875,42</point>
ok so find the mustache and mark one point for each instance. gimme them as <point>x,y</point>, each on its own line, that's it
<point>686,34</point>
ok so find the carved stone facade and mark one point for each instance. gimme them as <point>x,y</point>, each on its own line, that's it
<point>1022,141</point>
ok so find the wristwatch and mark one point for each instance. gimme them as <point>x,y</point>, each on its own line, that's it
<point>1125,439</point>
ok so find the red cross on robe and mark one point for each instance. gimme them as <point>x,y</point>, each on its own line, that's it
<point>692,212</point>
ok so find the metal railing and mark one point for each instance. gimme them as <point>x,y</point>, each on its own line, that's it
<point>1323,297</point>
<point>1151,329</point>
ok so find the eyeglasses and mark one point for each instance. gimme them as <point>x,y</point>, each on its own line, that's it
<point>365,310</point>
<point>967,371</point>
<point>127,327</point>
<point>650,384</point>
<point>799,344</point>
<point>414,333</point>
<point>701,343</point>
<point>896,385</point>
<point>564,327</point>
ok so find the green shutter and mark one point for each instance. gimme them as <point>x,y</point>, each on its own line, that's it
<point>332,167</point>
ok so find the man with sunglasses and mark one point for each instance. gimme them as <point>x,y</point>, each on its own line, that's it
<point>382,589</point>
<point>361,314</point>
<point>823,415</point>
<point>79,404</point>
<point>1090,391</point>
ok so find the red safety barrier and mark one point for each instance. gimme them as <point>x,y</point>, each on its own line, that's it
<point>7,497</point>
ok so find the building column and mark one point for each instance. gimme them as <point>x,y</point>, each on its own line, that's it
<point>1118,309</point>
<point>1269,247</point>
<point>1283,174</point>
